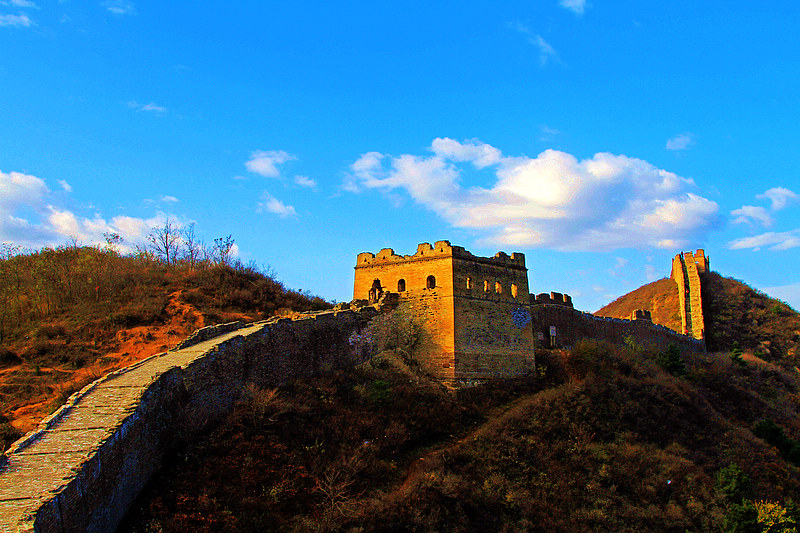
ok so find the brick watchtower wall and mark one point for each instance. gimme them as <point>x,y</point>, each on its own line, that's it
<point>424,280</point>
<point>493,334</point>
<point>686,269</point>
<point>474,310</point>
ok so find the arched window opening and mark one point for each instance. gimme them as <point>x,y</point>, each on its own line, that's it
<point>469,283</point>
<point>431,283</point>
<point>498,288</point>
<point>514,290</point>
<point>486,285</point>
<point>401,285</point>
<point>375,291</point>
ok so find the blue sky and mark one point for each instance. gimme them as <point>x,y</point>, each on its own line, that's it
<point>599,138</point>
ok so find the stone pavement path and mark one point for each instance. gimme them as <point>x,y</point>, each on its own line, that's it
<point>51,456</point>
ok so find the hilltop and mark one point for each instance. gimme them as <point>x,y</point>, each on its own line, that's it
<point>733,311</point>
<point>71,314</point>
<point>659,297</point>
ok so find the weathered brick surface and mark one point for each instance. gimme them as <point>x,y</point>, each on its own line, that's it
<point>572,325</point>
<point>471,316</point>
<point>83,466</point>
<point>686,269</point>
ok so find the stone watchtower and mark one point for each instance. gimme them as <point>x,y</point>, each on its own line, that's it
<point>686,270</point>
<point>474,311</point>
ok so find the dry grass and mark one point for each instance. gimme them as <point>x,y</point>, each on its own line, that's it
<point>72,313</point>
<point>607,441</point>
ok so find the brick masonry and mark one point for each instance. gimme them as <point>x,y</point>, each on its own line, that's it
<point>475,311</point>
<point>84,465</point>
<point>686,270</point>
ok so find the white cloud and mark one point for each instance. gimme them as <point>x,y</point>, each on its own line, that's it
<point>20,3</point>
<point>29,217</point>
<point>64,185</point>
<point>120,7</point>
<point>15,20</point>
<point>265,163</point>
<point>552,200</point>
<point>751,213</point>
<point>151,107</point>
<point>547,134</point>
<point>169,199</point>
<point>774,240</point>
<point>780,197</point>
<point>619,268</point>
<point>18,189</point>
<point>576,6</point>
<point>270,204</point>
<point>481,155</point>
<point>546,52</point>
<point>680,142</point>
<point>305,181</point>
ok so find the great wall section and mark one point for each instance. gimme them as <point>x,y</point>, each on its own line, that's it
<point>686,270</point>
<point>557,324</point>
<point>83,466</point>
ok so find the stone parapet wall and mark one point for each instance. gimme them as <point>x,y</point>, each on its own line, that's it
<point>553,298</point>
<point>208,332</point>
<point>573,325</point>
<point>686,269</point>
<point>440,249</point>
<point>698,330</point>
<point>83,466</point>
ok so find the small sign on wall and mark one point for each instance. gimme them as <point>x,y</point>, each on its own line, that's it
<point>540,335</point>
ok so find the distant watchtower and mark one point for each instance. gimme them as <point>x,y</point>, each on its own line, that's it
<point>474,310</point>
<point>686,270</point>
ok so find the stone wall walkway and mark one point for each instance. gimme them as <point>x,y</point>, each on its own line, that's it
<point>38,467</point>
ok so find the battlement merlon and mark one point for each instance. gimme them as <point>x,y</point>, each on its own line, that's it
<point>698,258</point>
<point>440,249</point>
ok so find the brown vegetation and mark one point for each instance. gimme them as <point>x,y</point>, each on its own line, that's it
<point>69,315</point>
<point>736,312</point>
<point>659,297</point>
<point>733,312</point>
<point>604,441</point>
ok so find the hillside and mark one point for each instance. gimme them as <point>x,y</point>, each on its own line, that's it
<point>735,312</point>
<point>70,315</point>
<point>658,297</point>
<point>732,310</point>
<point>603,440</point>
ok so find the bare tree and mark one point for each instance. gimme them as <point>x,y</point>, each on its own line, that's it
<point>113,240</point>
<point>223,246</point>
<point>166,240</point>
<point>192,247</point>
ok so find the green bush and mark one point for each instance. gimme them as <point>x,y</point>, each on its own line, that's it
<point>733,483</point>
<point>671,361</point>
<point>736,354</point>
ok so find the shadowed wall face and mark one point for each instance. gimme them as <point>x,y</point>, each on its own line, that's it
<point>493,335</point>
